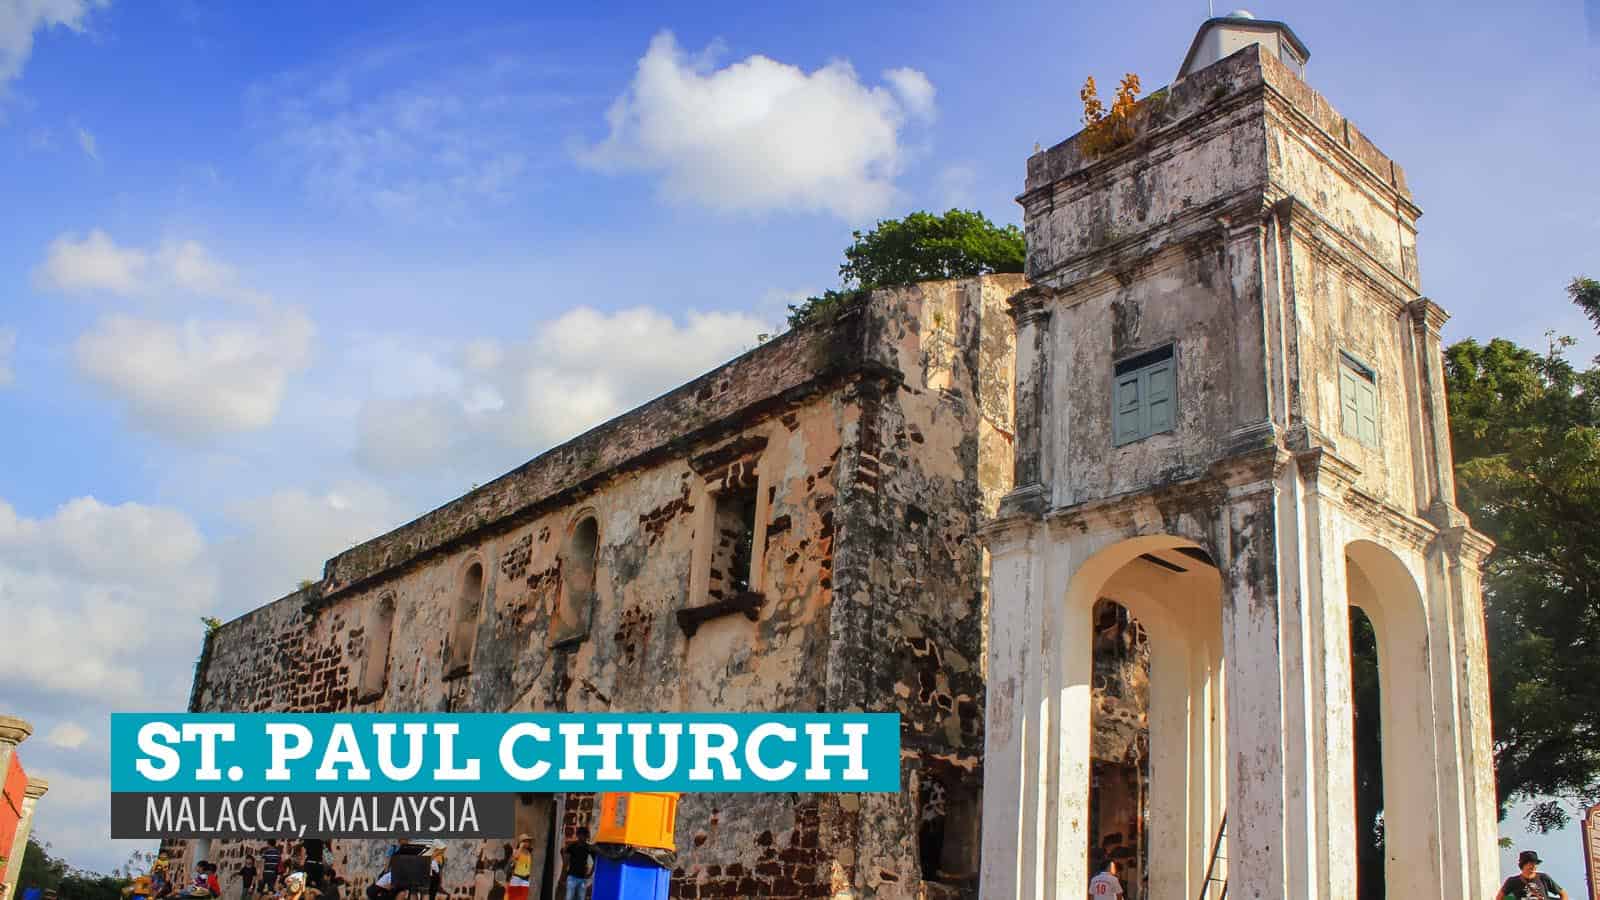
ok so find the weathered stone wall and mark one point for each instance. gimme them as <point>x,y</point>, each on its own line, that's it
<point>893,418</point>
<point>925,463</point>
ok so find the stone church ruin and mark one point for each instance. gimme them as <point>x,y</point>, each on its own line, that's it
<point>1094,532</point>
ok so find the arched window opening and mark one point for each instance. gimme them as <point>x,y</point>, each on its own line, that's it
<point>579,583</point>
<point>1367,703</point>
<point>734,538</point>
<point>375,659</point>
<point>464,633</point>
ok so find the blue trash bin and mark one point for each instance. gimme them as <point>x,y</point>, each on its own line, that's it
<point>634,878</point>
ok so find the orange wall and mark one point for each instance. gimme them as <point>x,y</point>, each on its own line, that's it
<point>11,810</point>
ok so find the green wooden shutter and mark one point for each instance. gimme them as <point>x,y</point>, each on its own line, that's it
<point>1129,424</point>
<point>1367,413</point>
<point>1158,398</point>
<point>1349,403</point>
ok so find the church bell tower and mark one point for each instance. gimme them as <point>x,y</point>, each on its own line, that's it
<point>1231,420</point>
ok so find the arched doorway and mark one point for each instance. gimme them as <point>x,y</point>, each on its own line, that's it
<point>1385,591</point>
<point>1169,587</point>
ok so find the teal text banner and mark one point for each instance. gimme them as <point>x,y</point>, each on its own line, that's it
<point>486,753</point>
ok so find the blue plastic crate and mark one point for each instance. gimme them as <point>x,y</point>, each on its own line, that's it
<point>629,879</point>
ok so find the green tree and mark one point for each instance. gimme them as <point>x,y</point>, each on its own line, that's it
<point>46,872</point>
<point>920,247</point>
<point>39,868</point>
<point>1525,428</point>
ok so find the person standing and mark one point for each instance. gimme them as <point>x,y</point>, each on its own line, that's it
<point>247,876</point>
<point>1106,885</point>
<point>271,863</point>
<point>1530,883</point>
<point>580,864</point>
<point>521,869</point>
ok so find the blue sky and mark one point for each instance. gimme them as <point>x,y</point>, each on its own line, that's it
<point>275,277</point>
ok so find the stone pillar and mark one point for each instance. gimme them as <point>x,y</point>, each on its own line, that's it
<point>1260,653</point>
<point>1460,662</point>
<point>1014,753</point>
<point>1030,472</point>
<point>30,799</point>
<point>13,731</point>
<point>1427,318</point>
<point>1325,619</point>
<point>1173,746</point>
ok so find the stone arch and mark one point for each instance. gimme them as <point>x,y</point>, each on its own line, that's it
<point>1383,586</point>
<point>579,559</point>
<point>1172,586</point>
<point>468,606</point>
<point>379,641</point>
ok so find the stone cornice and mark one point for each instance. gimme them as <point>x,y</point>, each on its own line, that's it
<point>37,787</point>
<point>1329,474</point>
<point>14,730</point>
<point>1031,305</point>
<point>1429,315</point>
<point>1101,265</point>
<point>1007,533</point>
<point>1465,543</point>
<point>1330,244</point>
<point>1348,163</point>
<point>1390,521</point>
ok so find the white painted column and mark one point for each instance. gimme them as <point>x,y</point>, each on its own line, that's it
<point>1173,786</point>
<point>1260,668</point>
<point>1068,645</point>
<point>1012,748</point>
<point>1467,786</point>
<point>1330,725</point>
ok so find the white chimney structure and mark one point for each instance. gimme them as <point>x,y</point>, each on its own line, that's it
<point>1224,36</point>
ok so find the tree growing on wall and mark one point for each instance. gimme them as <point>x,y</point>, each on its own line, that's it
<point>922,246</point>
<point>1525,428</point>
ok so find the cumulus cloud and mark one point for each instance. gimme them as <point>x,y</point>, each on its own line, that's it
<point>485,404</point>
<point>67,735</point>
<point>191,378</point>
<point>762,135</point>
<point>19,21</point>
<point>195,379</point>
<point>286,536</point>
<point>105,581</point>
<point>92,263</point>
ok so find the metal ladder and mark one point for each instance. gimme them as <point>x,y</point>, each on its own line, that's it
<point>1211,869</point>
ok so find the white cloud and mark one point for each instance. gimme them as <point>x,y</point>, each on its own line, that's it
<point>8,345</point>
<point>286,536</point>
<point>485,404</point>
<point>763,135</point>
<point>197,378</point>
<point>193,378</point>
<point>67,735</point>
<point>20,19</point>
<point>92,264</point>
<point>87,143</point>
<point>915,90</point>
<point>105,584</point>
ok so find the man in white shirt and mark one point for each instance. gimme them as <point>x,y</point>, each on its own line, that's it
<point>1105,886</point>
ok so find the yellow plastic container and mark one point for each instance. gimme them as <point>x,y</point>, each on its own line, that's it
<point>640,819</point>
